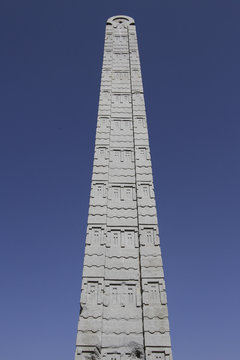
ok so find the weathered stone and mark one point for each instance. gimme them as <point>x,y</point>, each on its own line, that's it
<point>123,300</point>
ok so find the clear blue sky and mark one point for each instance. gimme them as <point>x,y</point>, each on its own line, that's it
<point>51,57</point>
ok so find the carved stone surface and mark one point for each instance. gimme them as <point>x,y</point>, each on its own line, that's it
<point>123,311</point>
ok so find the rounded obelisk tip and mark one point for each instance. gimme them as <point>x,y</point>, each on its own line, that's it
<point>118,19</point>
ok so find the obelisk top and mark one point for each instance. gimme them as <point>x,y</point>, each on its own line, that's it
<point>120,19</point>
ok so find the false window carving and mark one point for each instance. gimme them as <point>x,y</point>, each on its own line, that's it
<point>92,291</point>
<point>132,37</point>
<point>127,124</point>
<point>122,294</point>
<point>133,55</point>
<point>102,152</point>
<point>116,192</point>
<point>138,98</point>
<point>126,99</point>
<point>113,357</point>
<point>142,153</point>
<point>135,74</point>
<point>122,239</point>
<point>106,74</point>
<point>107,55</point>
<point>118,56</point>
<point>149,237</point>
<point>145,191</point>
<point>120,76</point>
<point>117,155</point>
<point>116,239</point>
<point>115,295</point>
<point>99,190</point>
<point>95,236</point>
<point>129,239</point>
<point>158,356</point>
<point>128,193</point>
<point>105,97</point>
<point>140,122</point>
<point>117,124</point>
<point>128,155</point>
<point>153,293</point>
<point>108,37</point>
<point>103,122</point>
<point>85,355</point>
<point>96,240</point>
<point>121,99</point>
<point>131,295</point>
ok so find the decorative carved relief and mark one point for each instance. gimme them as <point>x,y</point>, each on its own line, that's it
<point>127,155</point>
<point>136,74</point>
<point>91,292</point>
<point>142,153</point>
<point>145,191</point>
<point>105,97</point>
<point>117,125</point>
<point>149,236</point>
<point>115,295</point>
<point>88,353</point>
<point>122,238</point>
<point>140,122</point>
<point>158,353</point>
<point>120,56</point>
<point>116,193</point>
<point>122,155</point>
<point>106,74</point>
<point>122,21</point>
<point>127,125</point>
<point>102,153</point>
<point>122,294</point>
<point>107,55</point>
<point>103,122</point>
<point>116,238</point>
<point>120,39</point>
<point>154,292</point>
<point>130,239</point>
<point>113,356</point>
<point>134,55</point>
<point>120,75</point>
<point>121,125</point>
<point>116,155</point>
<point>158,356</point>
<point>98,192</point>
<point>122,193</point>
<point>95,236</point>
<point>138,98</point>
<point>128,193</point>
<point>123,99</point>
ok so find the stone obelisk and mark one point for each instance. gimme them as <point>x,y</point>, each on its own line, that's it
<point>123,312</point>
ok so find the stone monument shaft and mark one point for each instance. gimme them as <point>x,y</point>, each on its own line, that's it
<point>123,298</point>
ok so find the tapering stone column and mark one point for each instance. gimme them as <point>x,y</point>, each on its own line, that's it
<point>123,299</point>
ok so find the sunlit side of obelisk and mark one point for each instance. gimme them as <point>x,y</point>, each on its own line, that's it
<point>123,311</point>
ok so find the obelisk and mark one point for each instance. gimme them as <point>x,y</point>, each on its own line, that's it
<point>123,311</point>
